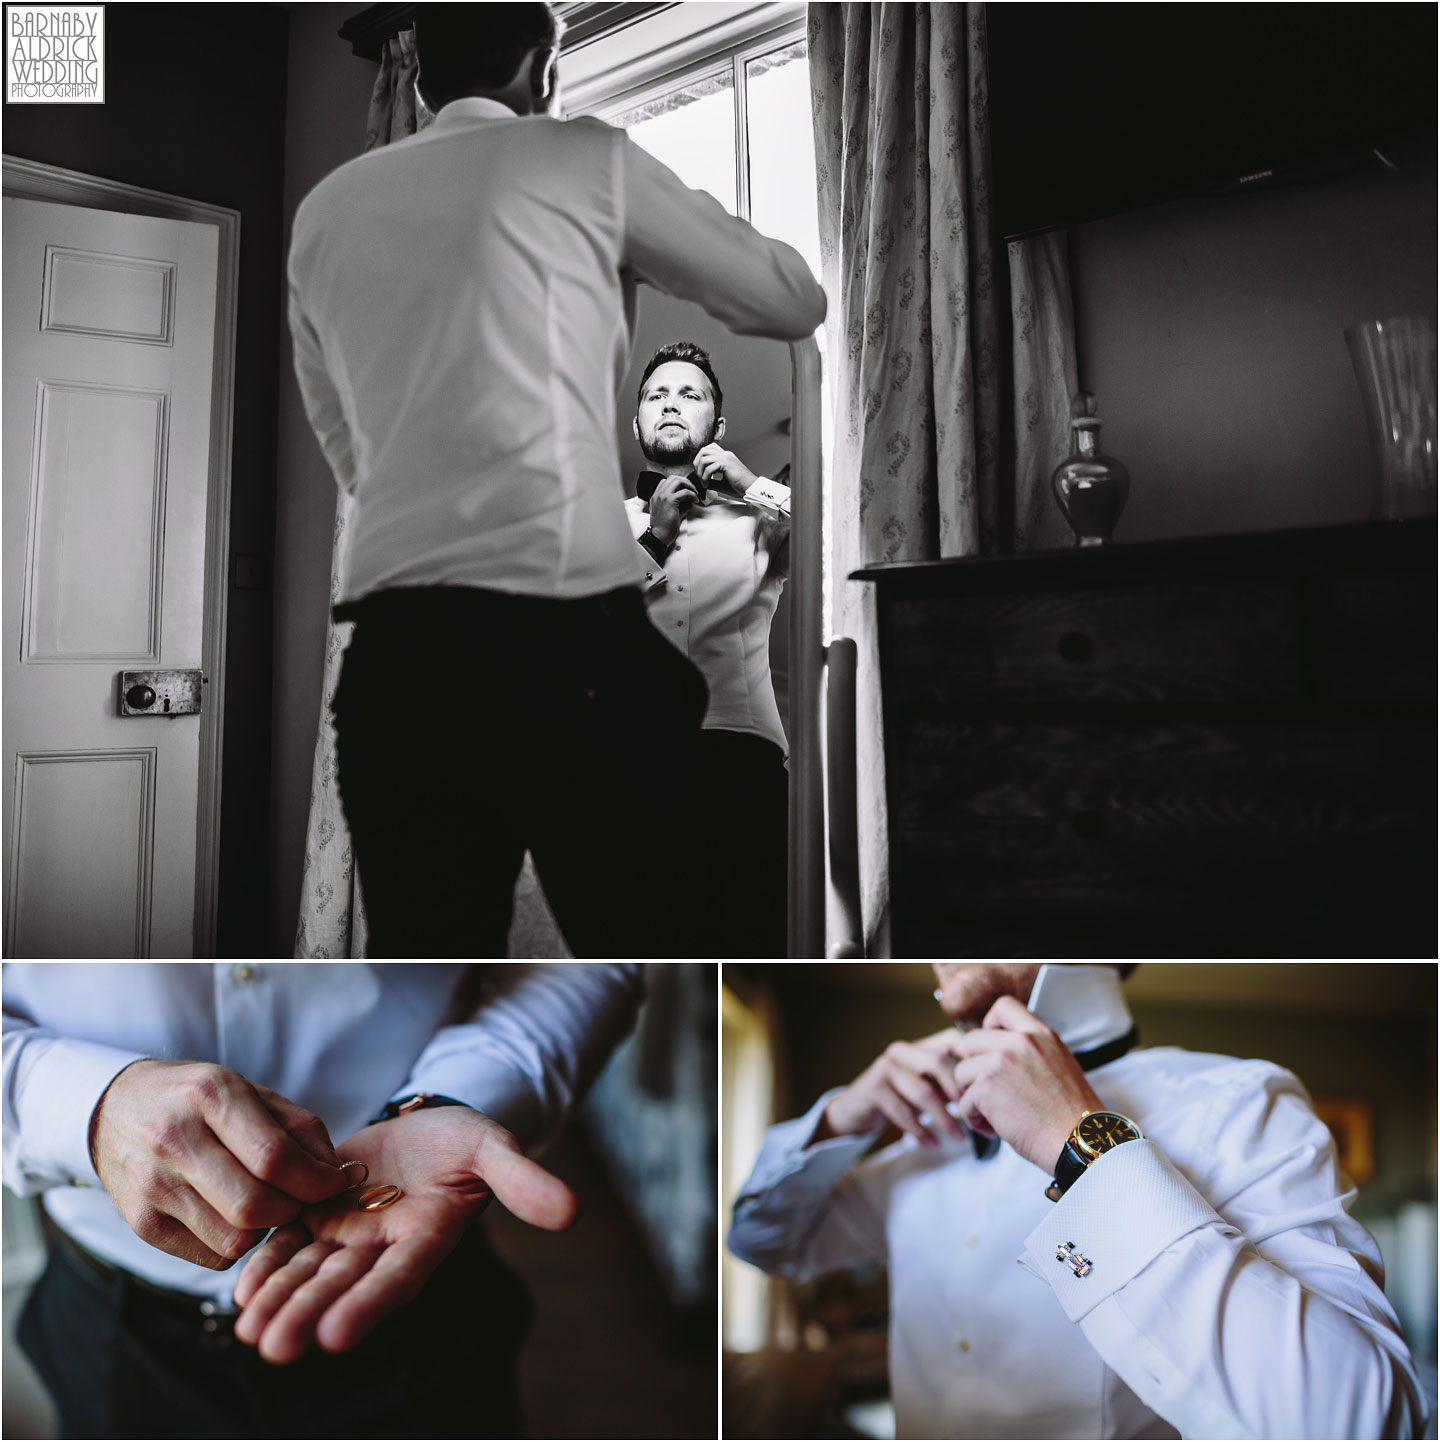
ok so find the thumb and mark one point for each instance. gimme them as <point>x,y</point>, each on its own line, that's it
<point>524,1188</point>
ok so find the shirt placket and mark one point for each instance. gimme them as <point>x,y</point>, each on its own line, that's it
<point>245,1018</point>
<point>682,594</point>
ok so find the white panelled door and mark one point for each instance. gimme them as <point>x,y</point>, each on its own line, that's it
<point>109,330</point>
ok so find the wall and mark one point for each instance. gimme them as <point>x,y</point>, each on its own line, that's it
<point>1212,334</point>
<point>326,105</point>
<point>195,107</point>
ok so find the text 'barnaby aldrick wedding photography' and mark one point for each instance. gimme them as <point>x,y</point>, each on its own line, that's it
<point>55,54</point>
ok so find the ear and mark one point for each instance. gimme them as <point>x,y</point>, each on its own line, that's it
<point>635,427</point>
<point>720,429</point>
<point>542,73</point>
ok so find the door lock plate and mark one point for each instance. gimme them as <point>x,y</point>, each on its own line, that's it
<point>176,693</point>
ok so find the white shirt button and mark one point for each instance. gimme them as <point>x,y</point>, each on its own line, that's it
<point>242,973</point>
<point>964,1344</point>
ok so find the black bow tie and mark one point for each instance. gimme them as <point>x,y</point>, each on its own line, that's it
<point>648,480</point>
<point>986,1147</point>
<point>645,486</point>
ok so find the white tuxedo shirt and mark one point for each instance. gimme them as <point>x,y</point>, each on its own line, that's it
<point>1229,1294</point>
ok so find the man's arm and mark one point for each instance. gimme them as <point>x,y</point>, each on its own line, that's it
<point>317,391</point>
<point>685,243</point>
<point>1244,1303</point>
<point>810,1204</point>
<point>528,1055</point>
<point>199,1161</point>
<point>1258,1313</point>
<point>518,1066</point>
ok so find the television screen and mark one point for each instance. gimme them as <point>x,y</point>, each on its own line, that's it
<point>1098,109</point>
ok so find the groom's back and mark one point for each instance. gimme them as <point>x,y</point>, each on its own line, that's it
<point>464,286</point>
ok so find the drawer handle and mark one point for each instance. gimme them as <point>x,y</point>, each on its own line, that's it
<point>1076,646</point>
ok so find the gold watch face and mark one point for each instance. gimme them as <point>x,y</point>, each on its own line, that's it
<point>1100,1131</point>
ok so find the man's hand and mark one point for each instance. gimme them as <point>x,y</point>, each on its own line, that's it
<point>201,1163</point>
<point>673,497</point>
<point>1019,1081</point>
<point>714,463</point>
<point>906,1079</point>
<point>338,1271</point>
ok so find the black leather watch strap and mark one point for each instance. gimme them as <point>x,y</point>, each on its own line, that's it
<point>1068,1170</point>
<point>415,1103</point>
<point>654,545</point>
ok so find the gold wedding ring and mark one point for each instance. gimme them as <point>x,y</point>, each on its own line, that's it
<point>360,1180</point>
<point>378,1197</point>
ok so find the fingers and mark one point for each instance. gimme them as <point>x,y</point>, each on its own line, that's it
<point>235,1113</point>
<point>307,1129</point>
<point>1011,1014</point>
<point>281,1316</point>
<point>524,1188</point>
<point>395,1279</point>
<point>281,1247</point>
<point>169,1235</point>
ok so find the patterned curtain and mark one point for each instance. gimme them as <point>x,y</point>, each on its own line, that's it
<point>914,334</point>
<point>332,912</point>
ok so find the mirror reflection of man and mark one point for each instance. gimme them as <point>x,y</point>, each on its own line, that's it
<point>716,539</point>
<point>1191,1270</point>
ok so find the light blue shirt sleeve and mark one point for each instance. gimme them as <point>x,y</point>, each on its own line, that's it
<point>529,1053</point>
<point>52,1084</point>
<point>799,1213</point>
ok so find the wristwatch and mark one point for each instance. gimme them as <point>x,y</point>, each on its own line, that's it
<point>414,1104</point>
<point>1094,1135</point>
<point>654,545</point>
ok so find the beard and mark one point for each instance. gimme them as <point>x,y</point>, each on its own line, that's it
<point>972,989</point>
<point>673,446</point>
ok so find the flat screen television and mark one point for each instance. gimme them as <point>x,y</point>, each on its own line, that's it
<point>1099,109</point>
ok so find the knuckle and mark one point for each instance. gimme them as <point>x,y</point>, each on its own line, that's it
<point>268,1156</point>
<point>168,1140</point>
<point>252,1210</point>
<point>147,1223</point>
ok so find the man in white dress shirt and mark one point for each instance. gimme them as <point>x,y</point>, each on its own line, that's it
<point>169,1115</point>
<point>716,542</point>
<point>461,304</point>
<point>1187,1263</point>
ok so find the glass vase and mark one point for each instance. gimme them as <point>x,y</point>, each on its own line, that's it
<point>1394,364</point>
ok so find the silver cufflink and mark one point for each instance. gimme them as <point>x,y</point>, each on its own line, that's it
<point>1066,1252</point>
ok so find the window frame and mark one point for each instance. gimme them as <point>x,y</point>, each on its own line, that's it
<point>711,52</point>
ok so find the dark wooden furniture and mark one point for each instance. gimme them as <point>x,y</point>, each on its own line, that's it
<point>1214,747</point>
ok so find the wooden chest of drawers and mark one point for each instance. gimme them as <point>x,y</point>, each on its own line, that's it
<point>1215,747</point>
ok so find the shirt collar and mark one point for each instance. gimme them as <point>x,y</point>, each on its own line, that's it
<point>471,107</point>
<point>1096,1011</point>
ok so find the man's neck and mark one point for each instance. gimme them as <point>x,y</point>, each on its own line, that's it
<point>674,468</point>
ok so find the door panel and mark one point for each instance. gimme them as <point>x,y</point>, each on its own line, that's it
<point>108,364</point>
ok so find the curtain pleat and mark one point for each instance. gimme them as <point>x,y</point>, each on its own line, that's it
<point>909,259</point>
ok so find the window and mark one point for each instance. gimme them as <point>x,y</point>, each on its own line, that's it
<point>708,129</point>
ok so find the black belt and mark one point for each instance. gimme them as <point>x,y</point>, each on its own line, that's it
<point>208,1313</point>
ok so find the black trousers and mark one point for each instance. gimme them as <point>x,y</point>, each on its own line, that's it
<point>121,1361</point>
<point>740,792</point>
<point>473,725</point>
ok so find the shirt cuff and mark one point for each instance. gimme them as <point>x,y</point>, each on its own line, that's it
<point>655,576</point>
<point>789,1150</point>
<point>59,1093</point>
<point>494,1088</point>
<point>768,495</point>
<point>1126,1209</point>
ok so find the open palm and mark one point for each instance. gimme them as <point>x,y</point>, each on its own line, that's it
<point>337,1271</point>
